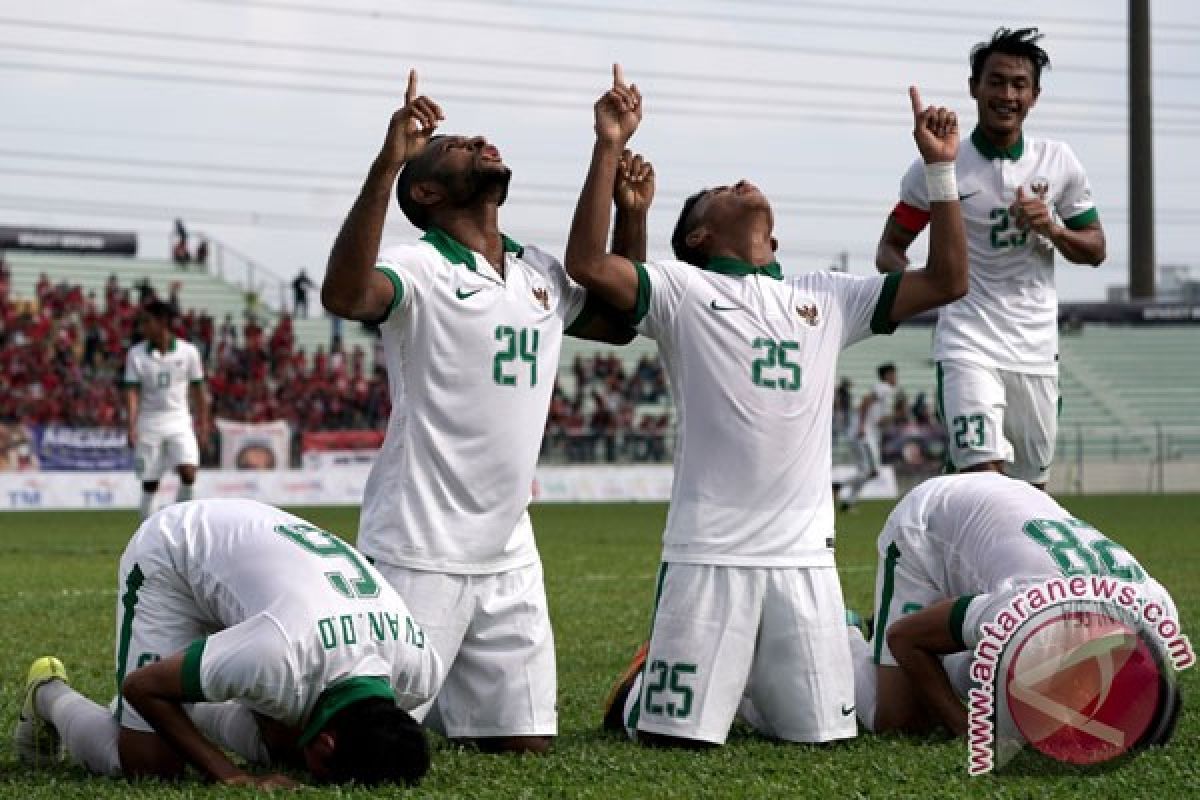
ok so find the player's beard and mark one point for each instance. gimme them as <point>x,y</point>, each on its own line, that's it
<point>467,190</point>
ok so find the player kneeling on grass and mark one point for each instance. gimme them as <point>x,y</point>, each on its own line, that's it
<point>953,553</point>
<point>233,600</point>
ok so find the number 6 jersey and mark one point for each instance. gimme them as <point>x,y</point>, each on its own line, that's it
<point>471,362</point>
<point>294,611</point>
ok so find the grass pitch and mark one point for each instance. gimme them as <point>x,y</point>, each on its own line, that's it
<point>57,590</point>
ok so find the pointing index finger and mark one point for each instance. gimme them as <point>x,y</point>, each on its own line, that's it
<point>410,93</point>
<point>914,95</point>
<point>618,75</point>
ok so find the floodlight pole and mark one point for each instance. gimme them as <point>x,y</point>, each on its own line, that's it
<point>1141,155</point>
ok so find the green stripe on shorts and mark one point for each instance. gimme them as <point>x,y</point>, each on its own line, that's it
<point>636,711</point>
<point>129,601</point>
<point>889,588</point>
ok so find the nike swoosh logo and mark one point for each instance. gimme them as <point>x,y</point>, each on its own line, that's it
<point>847,711</point>
<point>461,295</point>
<point>713,305</point>
<point>968,196</point>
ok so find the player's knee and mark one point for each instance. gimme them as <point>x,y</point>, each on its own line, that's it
<point>538,745</point>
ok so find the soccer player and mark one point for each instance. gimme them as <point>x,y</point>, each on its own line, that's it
<point>232,600</point>
<point>162,373</point>
<point>472,323</point>
<point>748,581</point>
<point>953,552</point>
<point>1023,198</point>
<point>868,438</point>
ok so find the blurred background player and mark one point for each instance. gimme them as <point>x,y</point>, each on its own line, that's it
<point>748,602</point>
<point>1023,198</point>
<point>162,373</point>
<point>952,554</point>
<point>233,600</point>
<point>472,323</point>
<point>876,406</point>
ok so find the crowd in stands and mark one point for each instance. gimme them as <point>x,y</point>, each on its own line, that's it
<point>62,355</point>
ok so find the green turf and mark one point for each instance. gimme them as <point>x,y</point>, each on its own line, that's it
<point>58,577</point>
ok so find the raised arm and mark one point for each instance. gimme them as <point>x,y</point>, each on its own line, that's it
<point>944,278</point>
<point>612,278</point>
<point>917,641</point>
<point>353,288</point>
<point>632,195</point>
<point>891,254</point>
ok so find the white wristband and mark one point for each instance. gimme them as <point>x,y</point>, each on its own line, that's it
<point>940,182</point>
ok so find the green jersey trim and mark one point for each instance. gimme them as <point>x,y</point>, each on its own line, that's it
<point>130,384</point>
<point>735,266</point>
<point>958,614</point>
<point>456,252</point>
<point>1082,219</point>
<point>589,311</point>
<point>881,320</point>
<point>338,696</point>
<point>193,691</point>
<point>642,306</point>
<point>992,152</point>
<point>885,598</point>
<point>397,293</point>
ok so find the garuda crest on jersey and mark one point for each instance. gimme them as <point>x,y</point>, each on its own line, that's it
<point>808,313</point>
<point>542,297</point>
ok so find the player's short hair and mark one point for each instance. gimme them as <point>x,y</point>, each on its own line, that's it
<point>417,169</point>
<point>159,310</point>
<point>1021,43</point>
<point>376,742</point>
<point>683,226</point>
<point>883,369</point>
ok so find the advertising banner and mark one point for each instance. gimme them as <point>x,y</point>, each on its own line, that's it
<point>254,445</point>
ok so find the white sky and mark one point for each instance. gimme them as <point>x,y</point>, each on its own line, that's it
<point>264,147</point>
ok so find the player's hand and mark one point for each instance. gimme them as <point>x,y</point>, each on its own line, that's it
<point>634,189</point>
<point>935,129</point>
<point>411,126</point>
<point>618,111</point>
<point>272,781</point>
<point>1030,212</point>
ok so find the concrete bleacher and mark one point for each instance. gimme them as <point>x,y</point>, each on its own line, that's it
<point>200,291</point>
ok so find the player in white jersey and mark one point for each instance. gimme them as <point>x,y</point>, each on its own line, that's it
<point>162,373</point>
<point>952,554</point>
<point>748,596</point>
<point>996,349</point>
<point>876,406</point>
<point>232,600</point>
<point>472,323</point>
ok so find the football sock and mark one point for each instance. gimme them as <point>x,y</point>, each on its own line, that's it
<point>231,726</point>
<point>147,504</point>
<point>186,492</point>
<point>88,729</point>
<point>864,677</point>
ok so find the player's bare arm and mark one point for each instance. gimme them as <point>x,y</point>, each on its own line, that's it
<point>611,277</point>
<point>891,254</point>
<point>1083,246</point>
<point>916,641</point>
<point>200,408</point>
<point>944,278</point>
<point>632,195</point>
<point>156,691</point>
<point>353,288</point>
<point>131,410</point>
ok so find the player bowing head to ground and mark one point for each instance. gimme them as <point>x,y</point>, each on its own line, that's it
<point>748,581</point>
<point>472,324</point>
<point>162,373</point>
<point>232,600</point>
<point>996,350</point>
<point>952,554</point>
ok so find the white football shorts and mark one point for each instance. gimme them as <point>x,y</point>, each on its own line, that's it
<point>998,415</point>
<point>160,450</point>
<point>768,643</point>
<point>493,633</point>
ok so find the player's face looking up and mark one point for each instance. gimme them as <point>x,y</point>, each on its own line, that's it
<point>1004,93</point>
<point>723,210</point>
<point>470,168</point>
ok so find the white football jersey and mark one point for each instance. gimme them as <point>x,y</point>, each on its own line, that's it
<point>1009,317</point>
<point>162,381</point>
<point>885,398</point>
<point>294,611</point>
<point>471,361</point>
<point>983,533</point>
<point>752,365</point>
